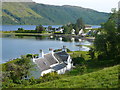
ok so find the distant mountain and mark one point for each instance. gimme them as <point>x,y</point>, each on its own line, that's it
<point>33,13</point>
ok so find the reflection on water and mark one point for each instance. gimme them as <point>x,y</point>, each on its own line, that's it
<point>15,45</point>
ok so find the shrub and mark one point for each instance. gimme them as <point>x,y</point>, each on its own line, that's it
<point>57,50</point>
<point>79,61</point>
<point>49,77</point>
<point>32,81</point>
<point>82,69</point>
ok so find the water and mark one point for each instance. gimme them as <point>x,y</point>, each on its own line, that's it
<point>30,27</point>
<point>96,26</point>
<point>26,27</point>
<point>14,47</point>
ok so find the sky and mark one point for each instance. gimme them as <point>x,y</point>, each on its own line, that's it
<point>99,5</point>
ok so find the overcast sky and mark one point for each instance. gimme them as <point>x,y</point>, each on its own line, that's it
<point>99,5</point>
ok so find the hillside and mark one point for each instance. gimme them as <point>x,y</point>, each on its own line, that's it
<point>106,78</point>
<point>34,13</point>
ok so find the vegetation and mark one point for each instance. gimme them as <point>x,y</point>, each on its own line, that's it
<point>16,70</point>
<point>67,29</point>
<point>84,68</point>
<point>33,13</point>
<point>77,27</point>
<point>38,29</point>
<point>107,44</point>
<point>106,78</point>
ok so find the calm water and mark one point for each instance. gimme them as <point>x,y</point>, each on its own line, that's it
<point>14,47</point>
<point>30,27</point>
<point>26,27</point>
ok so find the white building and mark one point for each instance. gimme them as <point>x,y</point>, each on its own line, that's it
<point>88,27</point>
<point>73,31</point>
<point>59,62</point>
<point>81,32</point>
<point>60,30</point>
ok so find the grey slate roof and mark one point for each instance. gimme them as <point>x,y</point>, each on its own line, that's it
<point>50,58</point>
<point>61,56</point>
<point>44,63</point>
<point>59,66</point>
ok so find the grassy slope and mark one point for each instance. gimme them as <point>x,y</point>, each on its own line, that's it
<point>19,10</point>
<point>18,13</point>
<point>106,78</point>
<point>32,13</point>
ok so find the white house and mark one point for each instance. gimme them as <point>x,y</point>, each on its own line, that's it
<point>59,62</point>
<point>60,30</point>
<point>81,32</point>
<point>60,38</point>
<point>73,31</point>
<point>88,27</point>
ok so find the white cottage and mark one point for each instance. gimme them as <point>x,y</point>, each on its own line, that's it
<point>59,62</point>
<point>73,31</point>
<point>60,30</point>
<point>81,32</point>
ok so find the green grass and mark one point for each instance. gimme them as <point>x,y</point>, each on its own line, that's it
<point>19,9</point>
<point>106,78</point>
<point>76,54</point>
<point>92,65</point>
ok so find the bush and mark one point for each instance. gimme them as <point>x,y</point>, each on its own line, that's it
<point>32,81</point>
<point>68,50</point>
<point>82,69</point>
<point>79,61</point>
<point>25,82</point>
<point>29,55</point>
<point>57,50</point>
<point>49,77</point>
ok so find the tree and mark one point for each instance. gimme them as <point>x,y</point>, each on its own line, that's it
<point>70,28</point>
<point>66,30</point>
<point>91,53</point>
<point>108,43</point>
<point>76,29</point>
<point>80,23</point>
<point>20,29</point>
<point>40,29</point>
<point>118,21</point>
<point>49,27</point>
<point>19,68</point>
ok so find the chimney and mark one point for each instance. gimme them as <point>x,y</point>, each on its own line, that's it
<point>51,50</point>
<point>42,53</point>
<point>64,48</point>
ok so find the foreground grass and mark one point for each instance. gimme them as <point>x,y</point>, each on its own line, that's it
<point>106,78</point>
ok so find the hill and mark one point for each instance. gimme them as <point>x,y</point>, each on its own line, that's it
<point>33,13</point>
<point>106,78</point>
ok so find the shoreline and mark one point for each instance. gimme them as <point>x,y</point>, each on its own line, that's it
<point>48,34</point>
